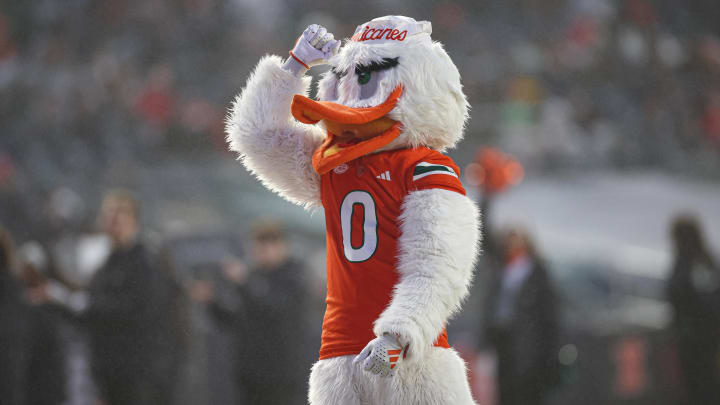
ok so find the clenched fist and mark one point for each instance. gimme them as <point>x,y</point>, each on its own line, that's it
<point>314,47</point>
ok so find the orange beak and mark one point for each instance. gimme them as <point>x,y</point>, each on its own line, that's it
<point>330,154</point>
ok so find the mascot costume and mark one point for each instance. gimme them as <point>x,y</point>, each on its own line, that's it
<point>401,234</point>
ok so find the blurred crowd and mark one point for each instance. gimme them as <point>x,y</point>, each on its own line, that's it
<point>130,323</point>
<point>129,333</point>
<point>93,91</point>
<point>90,88</point>
<point>96,94</point>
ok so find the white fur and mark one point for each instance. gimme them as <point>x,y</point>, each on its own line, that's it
<point>271,144</point>
<point>439,380</point>
<point>438,246</point>
<point>433,107</point>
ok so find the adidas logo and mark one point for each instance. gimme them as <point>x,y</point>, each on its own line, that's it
<point>384,176</point>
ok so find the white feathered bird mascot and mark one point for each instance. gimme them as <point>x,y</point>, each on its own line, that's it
<point>402,237</point>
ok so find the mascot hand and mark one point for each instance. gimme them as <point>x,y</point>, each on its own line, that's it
<point>314,47</point>
<point>381,356</point>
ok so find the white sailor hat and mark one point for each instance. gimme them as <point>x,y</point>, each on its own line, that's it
<point>392,29</point>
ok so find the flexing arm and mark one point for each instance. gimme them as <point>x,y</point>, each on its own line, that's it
<point>438,247</point>
<point>271,144</point>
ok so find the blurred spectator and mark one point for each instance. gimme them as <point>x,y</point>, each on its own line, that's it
<point>694,292</point>
<point>11,349</point>
<point>32,371</point>
<point>155,103</point>
<point>45,368</point>
<point>711,117</point>
<point>521,320</point>
<point>270,328</point>
<point>131,315</point>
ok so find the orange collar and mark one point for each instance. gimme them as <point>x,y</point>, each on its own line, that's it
<point>309,111</point>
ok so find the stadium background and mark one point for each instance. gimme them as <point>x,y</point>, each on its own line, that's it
<point>612,107</point>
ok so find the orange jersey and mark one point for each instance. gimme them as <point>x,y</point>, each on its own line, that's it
<point>362,201</point>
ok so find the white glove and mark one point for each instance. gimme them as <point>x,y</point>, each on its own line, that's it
<point>314,47</point>
<point>381,356</point>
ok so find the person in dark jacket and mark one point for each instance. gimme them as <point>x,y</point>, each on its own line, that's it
<point>12,347</point>
<point>521,323</point>
<point>520,320</point>
<point>694,293</point>
<point>46,367</point>
<point>270,326</point>
<point>127,316</point>
<point>31,356</point>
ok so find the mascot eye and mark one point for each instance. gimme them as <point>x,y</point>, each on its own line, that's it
<point>363,77</point>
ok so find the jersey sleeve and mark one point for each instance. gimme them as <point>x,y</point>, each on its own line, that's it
<point>438,171</point>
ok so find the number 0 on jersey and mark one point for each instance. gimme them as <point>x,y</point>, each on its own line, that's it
<point>369,226</point>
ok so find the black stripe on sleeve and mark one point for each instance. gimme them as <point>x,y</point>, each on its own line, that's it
<point>424,169</point>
